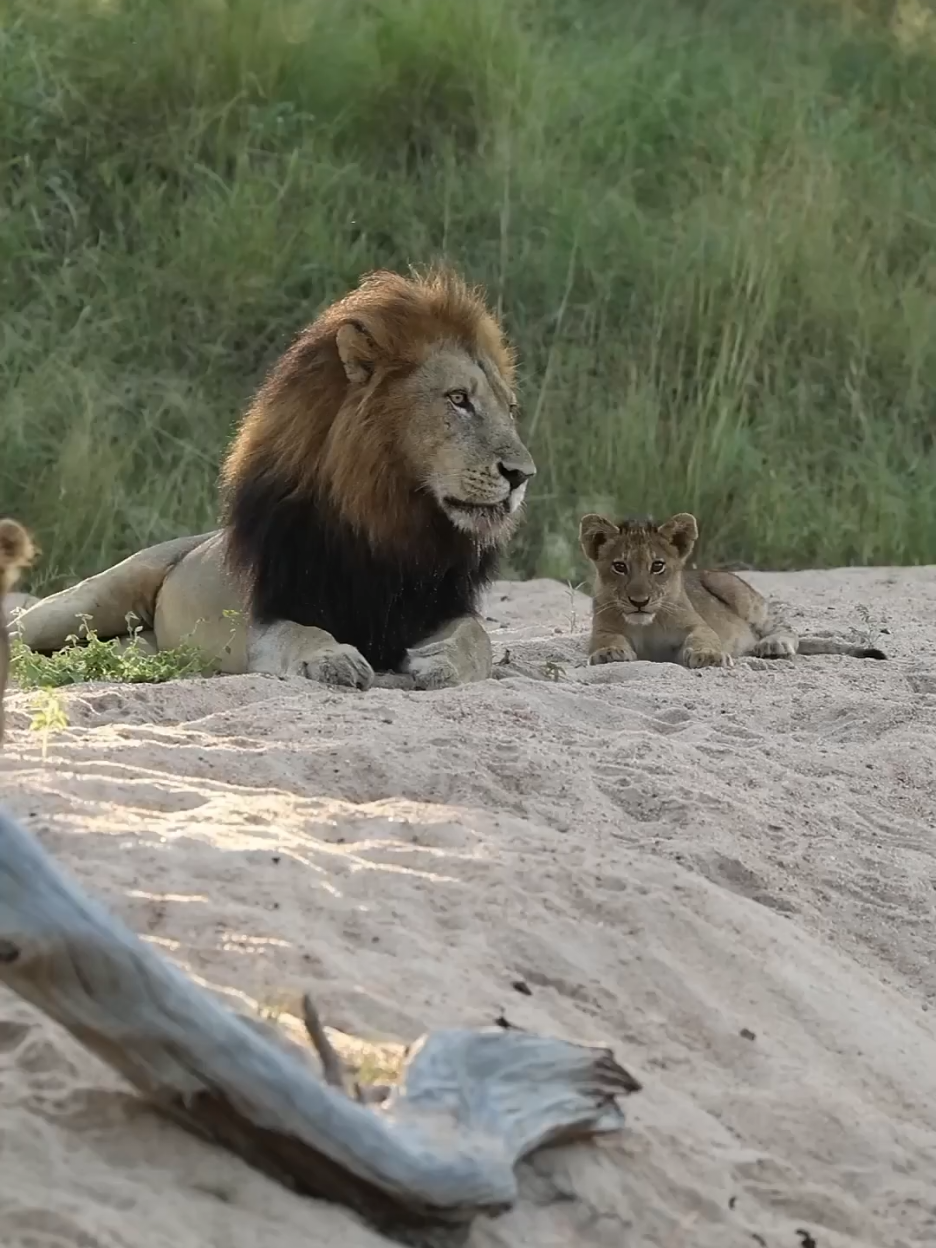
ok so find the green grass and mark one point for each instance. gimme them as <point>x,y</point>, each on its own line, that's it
<point>89,658</point>
<point>710,227</point>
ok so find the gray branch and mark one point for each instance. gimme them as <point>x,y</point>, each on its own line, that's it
<point>440,1147</point>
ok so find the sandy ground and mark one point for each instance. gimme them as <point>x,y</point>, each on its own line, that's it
<point>729,876</point>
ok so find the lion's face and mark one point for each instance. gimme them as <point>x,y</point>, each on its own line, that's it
<point>638,563</point>
<point>461,442</point>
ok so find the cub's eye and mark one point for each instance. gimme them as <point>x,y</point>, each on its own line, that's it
<point>619,566</point>
<point>460,399</point>
<point>657,566</point>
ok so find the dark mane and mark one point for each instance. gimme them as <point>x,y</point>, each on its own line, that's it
<point>306,564</point>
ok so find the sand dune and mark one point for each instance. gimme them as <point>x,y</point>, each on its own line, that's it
<point>729,876</point>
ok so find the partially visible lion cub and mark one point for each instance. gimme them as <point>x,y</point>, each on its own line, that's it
<point>16,552</point>
<point>647,605</point>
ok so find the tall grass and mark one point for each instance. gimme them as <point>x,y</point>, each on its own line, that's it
<point>711,227</point>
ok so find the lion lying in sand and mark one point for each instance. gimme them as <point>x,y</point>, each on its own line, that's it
<point>648,605</point>
<point>367,494</point>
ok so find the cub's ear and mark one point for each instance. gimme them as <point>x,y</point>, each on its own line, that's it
<point>357,351</point>
<point>594,531</point>
<point>681,532</point>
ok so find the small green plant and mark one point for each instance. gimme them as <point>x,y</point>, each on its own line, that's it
<point>553,671</point>
<point>870,633</point>
<point>573,613</point>
<point>270,1011</point>
<point>48,716</point>
<point>85,657</point>
<point>379,1064</point>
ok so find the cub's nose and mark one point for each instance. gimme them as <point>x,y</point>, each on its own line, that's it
<point>639,603</point>
<point>514,474</point>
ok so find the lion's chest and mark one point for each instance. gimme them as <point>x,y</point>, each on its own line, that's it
<point>304,563</point>
<point>381,608</point>
<point>383,619</point>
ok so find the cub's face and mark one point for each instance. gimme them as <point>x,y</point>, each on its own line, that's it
<point>461,440</point>
<point>637,562</point>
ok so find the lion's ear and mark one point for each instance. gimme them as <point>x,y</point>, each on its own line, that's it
<point>594,531</point>
<point>681,532</point>
<point>357,350</point>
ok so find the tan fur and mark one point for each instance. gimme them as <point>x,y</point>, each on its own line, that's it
<point>16,552</point>
<point>356,408</point>
<point>648,605</point>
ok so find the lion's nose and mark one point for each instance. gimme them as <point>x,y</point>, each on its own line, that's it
<point>514,475</point>
<point>639,603</point>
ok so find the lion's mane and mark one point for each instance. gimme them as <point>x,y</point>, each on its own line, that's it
<point>323,525</point>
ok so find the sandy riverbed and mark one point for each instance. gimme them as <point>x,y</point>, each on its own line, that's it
<point>729,876</point>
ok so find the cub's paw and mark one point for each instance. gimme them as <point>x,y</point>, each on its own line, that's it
<point>705,656</point>
<point>611,654</point>
<point>777,647</point>
<point>344,666</point>
<point>432,671</point>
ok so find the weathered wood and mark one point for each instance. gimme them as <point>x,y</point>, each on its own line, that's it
<point>437,1152</point>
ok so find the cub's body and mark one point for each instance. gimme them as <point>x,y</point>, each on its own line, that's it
<point>706,600</point>
<point>648,605</point>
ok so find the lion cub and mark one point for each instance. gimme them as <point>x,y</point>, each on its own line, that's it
<point>16,551</point>
<point>647,605</point>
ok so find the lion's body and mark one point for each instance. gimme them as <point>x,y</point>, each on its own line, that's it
<point>713,601</point>
<point>367,494</point>
<point>200,603</point>
<point>648,605</point>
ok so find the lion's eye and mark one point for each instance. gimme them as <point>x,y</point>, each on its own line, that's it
<point>657,566</point>
<point>460,399</point>
<point>620,566</point>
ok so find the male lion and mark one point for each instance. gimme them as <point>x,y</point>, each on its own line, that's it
<point>647,605</point>
<point>16,552</point>
<point>366,496</point>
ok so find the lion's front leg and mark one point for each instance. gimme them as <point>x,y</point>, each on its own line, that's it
<point>455,655</point>
<point>289,649</point>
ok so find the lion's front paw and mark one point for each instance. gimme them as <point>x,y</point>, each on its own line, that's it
<point>611,654</point>
<point>779,646</point>
<point>344,666</point>
<point>708,656</point>
<point>432,671</point>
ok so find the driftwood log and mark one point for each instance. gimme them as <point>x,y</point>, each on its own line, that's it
<point>420,1166</point>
